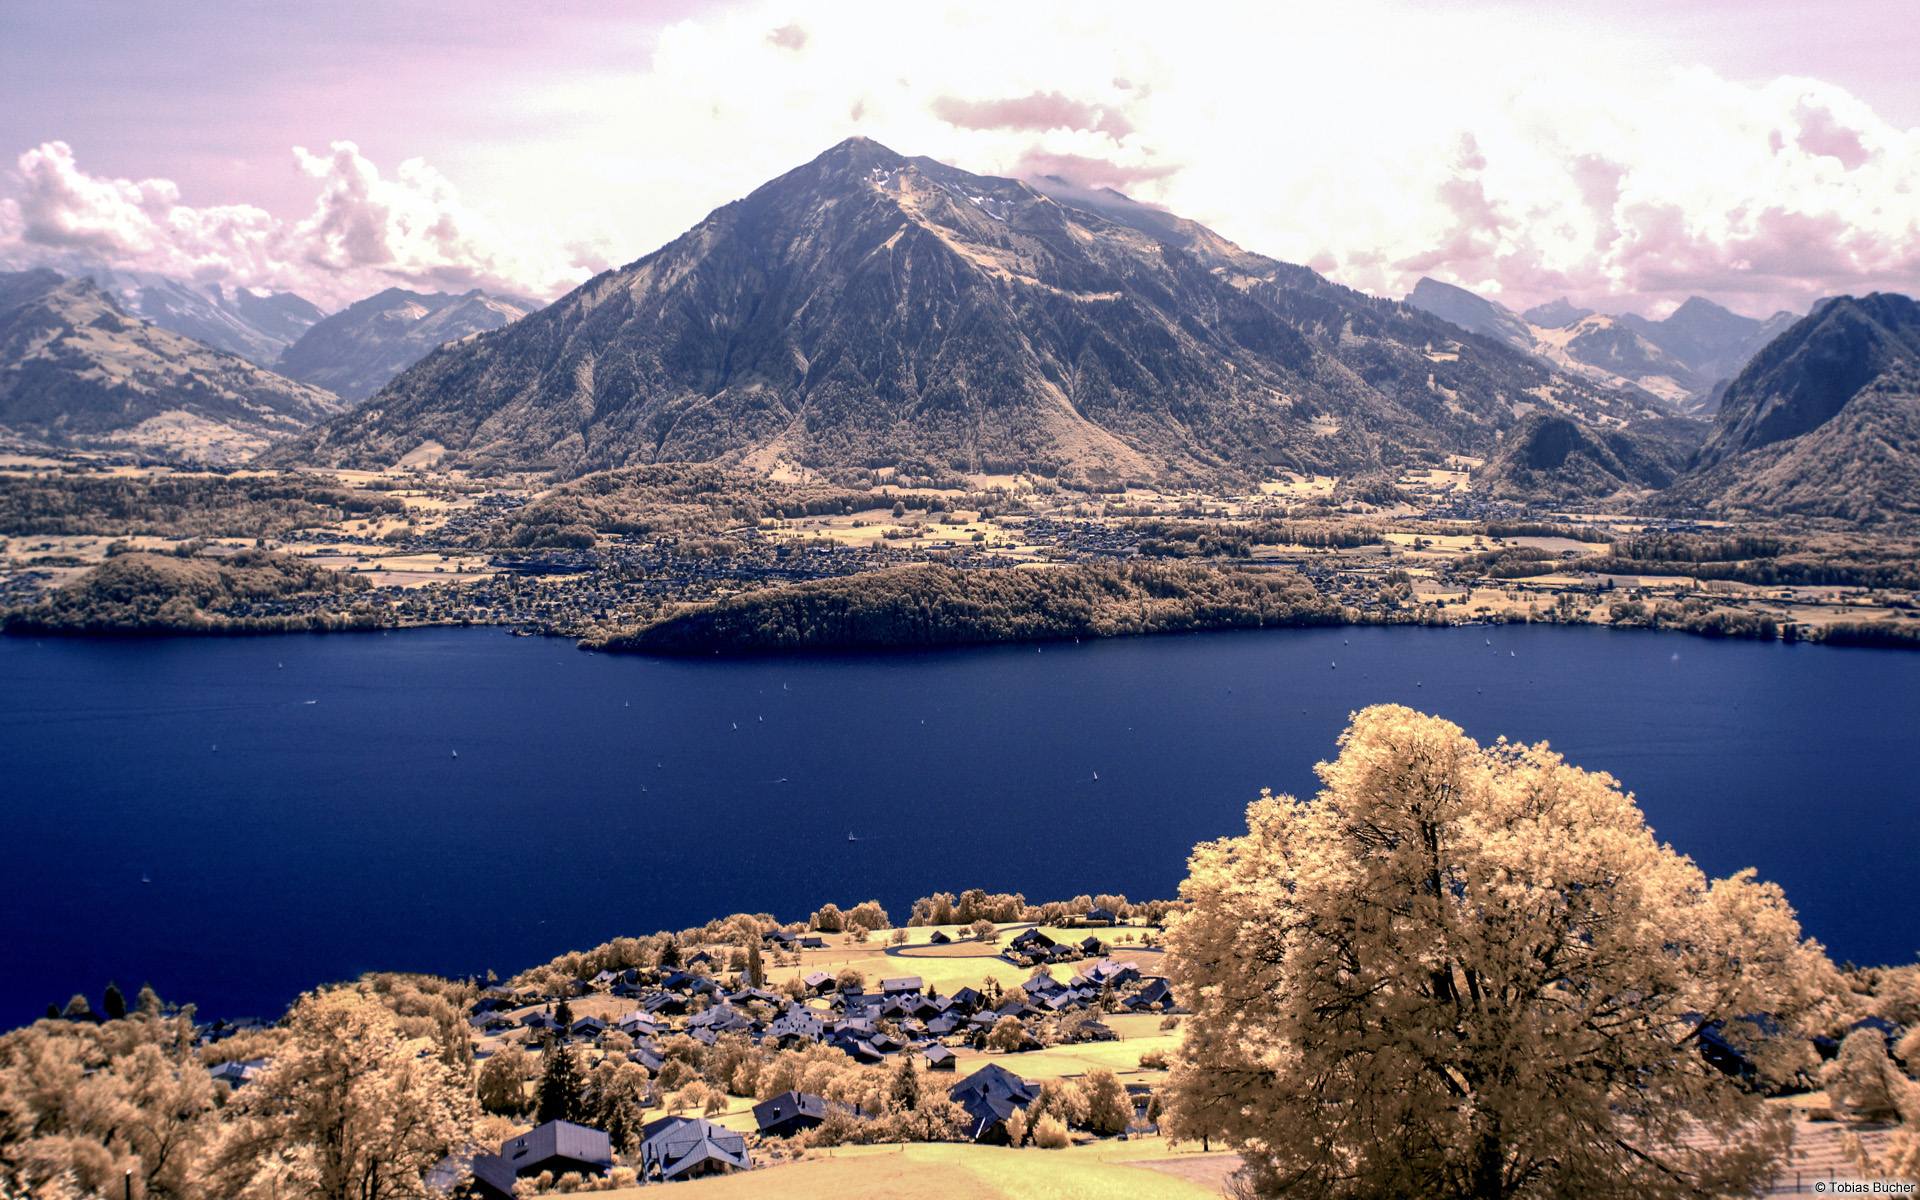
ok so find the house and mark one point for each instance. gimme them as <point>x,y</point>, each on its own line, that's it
<point>689,1148</point>
<point>818,981</point>
<point>237,1075</point>
<point>939,939</point>
<point>967,998</point>
<point>1032,940</point>
<point>486,1176</point>
<point>559,1146</point>
<point>588,1027</point>
<point>990,1096</point>
<point>647,1057</point>
<point>702,957</point>
<point>1099,916</point>
<point>813,942</point>
<point>780,939</point>
<point>1155,995</point>
<point>789,1113</point>
<point>637,1024</point>
<point>797,1024</point>
<point>939,1058</point>
<point>1092,945</point>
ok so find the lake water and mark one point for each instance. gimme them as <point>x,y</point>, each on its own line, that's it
<point>458,800</point>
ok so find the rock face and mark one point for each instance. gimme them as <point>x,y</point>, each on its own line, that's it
<point>76,370</point>
<point>257,328</point>
<point>1825,421</point>
<point>867,310</point>
<point>357,351</point>
<point>1712,342</point>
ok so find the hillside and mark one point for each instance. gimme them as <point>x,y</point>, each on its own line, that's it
<point>1822,423</point>
<point>76,371</point>
<point>1551,457</point>
<point>355,352</point>
<point>869,310</point>
<point>254,591</point>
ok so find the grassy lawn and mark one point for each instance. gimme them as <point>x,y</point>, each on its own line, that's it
<point>959,1172</point>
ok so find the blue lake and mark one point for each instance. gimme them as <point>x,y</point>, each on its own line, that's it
<point>459,800</point>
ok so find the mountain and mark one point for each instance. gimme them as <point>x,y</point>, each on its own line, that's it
<point>1824,421</point>
<point>257,328</point>
<point>356,351</point>
<point>869,310</point>
<point>1551,457</point>
<point>76,370</point>
<point>1713,342</point>
<point>1555,314</point>
<point>1682,359</point>
<point>1475,314</point>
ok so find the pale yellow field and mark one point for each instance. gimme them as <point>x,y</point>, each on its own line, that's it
<point>1098,1171</point>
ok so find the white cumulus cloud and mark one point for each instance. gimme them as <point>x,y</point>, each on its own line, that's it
<point>366,232</point>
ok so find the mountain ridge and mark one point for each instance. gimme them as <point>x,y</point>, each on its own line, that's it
<point>358,350</point>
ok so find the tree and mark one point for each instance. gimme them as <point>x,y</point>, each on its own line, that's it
<point>669,954</point>
<point>983,930</point>
<point>1008,1035</point>
<point>78,1009</point>
<point>829,919</point>
<point>560,1094</point>
<point>113,1003</point>
<point>1108,1109</point>
<point>1468,972</point>
<point>904,1094</point>
<point>756,970</point>
<point>147,1003</point>
<point>563,1015</point>
<point>345,1111</point>
<point>501,1085</point>
<point>848,979</point>
<point>1861,1080</point>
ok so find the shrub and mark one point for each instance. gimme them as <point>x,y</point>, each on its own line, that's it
<point>1050,1134</point>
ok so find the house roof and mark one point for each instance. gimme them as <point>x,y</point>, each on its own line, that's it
<point>674,1146</point>
<point>557,1139</point>
<point>906,983</point>
<point>775,1110</point>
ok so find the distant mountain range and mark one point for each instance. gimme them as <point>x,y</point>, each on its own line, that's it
<point>257,328</point>
<point>356,351</point>
<point>1682,359</point>
<point>77,370</point>
<point>868,309</point>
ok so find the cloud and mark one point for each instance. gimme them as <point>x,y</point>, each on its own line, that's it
<point>365,232</point>
<point>789,37</point>
<point>1035,112</point>
<point>1083,171</point>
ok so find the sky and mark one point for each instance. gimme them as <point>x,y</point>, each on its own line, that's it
<point>1626,154</point>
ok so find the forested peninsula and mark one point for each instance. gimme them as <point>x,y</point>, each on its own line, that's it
<point>936,605</point>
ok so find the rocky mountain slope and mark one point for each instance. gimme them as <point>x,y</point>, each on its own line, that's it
<point>1551,457</point>
<point>257,328</point>
<point>355,352</point>
<point>868,309</point>
<point>1824,422</point>
<point>76,370</point>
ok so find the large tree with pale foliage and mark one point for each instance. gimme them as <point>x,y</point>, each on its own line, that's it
<point>1467,971</point>
<point>347,1110</point>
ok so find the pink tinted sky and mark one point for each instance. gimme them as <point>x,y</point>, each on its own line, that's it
<point>1627,153</point>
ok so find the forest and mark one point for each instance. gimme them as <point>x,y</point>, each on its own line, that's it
<point>934,605</point>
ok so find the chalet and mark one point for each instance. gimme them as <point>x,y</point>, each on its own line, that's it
<point>605,979</point>
<point>1030,941</point>
<point>558,1146</point>
<point>939,939</point>
<point>1092,945</point>
<point>797,1024</point>
<point>943,1025</point>
<point>818,981</point>
<point>789,1113</point>
<point>702,957</point>
<point>637,1024</point>
<point>967,998</point>
<point>491,1022</point>
<point>990,1096</point>
<point>689,1148</point>
<point>813,942</point>
<point>1155,995</point>
<point>1099,916</point>
<point>780,939</point>
<point>665,1004</point>
<point>939,1058</point>
<point>588,1027</point>
<point>906,983</point>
